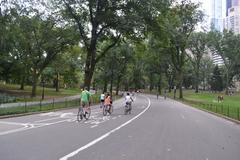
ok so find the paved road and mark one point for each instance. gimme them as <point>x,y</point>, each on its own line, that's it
<point>157,129</point>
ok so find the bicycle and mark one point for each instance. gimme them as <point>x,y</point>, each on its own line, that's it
<point>83,112</point>
<point>128,108</point>
<point>102,104</point>
<point>107,109</point>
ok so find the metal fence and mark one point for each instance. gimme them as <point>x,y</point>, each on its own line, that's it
<point>40,106</point>
<point>52,104</point>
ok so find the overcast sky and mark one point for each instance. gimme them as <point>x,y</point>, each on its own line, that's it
<point>206,5</point>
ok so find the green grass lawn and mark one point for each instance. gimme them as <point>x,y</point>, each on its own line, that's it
<point>208,97</point>
<point>23,95</point>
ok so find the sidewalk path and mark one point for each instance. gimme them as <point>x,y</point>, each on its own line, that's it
<point>63,99</point>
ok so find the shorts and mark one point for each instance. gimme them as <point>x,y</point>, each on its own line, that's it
<point>102,100</point>
<point>84,104</point>
<point>129,103</point>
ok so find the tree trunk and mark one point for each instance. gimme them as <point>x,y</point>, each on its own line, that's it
<point>57,82</point>
<point>126,86</point>
<point>170,83</point>
<point>88,77</point>
<point>197,77</point>
<point>34,83</point>
<point>90,64</point>
<point>180,85</point>
<point>118,84</point>
<point>204,81</point>
<point>22,82</point>
<point>111,86</point>
<point>105,85</point>
<point>227,83</point>
<point>197,81</point>
<point>151,87</point>
<point>151,82</point>
<point>160,85</point>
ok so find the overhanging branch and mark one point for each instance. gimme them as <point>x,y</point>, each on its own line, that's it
<point>103,53</point>
<point>80,27</point>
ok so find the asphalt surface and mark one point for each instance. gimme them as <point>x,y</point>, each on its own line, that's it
<point>157,129</point>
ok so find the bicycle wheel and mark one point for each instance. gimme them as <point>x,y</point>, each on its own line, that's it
<point>87,113</point>
<point>104,110</point>
<point>130,109</point>
<point>110,110</point>
<point>126,109</point>
<point>80,114</point>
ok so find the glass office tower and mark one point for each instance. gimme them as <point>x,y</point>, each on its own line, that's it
<point>235,2</point>
<point>228,5</point>
<point>217,19</point>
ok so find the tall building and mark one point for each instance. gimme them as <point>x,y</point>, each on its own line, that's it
<point>217,23</point>
<point>232,20</point>
<point>228,5</point>
<point>235,2</point>
<point>217,18</point>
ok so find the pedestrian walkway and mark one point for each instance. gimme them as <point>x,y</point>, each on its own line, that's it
<point>19,104</point>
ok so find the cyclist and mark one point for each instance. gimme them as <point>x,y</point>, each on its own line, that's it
<point>102,97</point>
<point>128,106</point>
<point>128,99</point>
<point>85,99</point>
<point>108,101</point>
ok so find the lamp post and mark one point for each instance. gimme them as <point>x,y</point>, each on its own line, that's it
<point>43,86</point>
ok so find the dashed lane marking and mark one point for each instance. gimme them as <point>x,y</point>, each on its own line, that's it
<point>93,126</point>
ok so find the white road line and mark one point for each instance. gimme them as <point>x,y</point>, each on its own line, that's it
<point>105,135</point>
<point>28,126</point>
<point>13,123</point>
<point>89,121</point>
<point>47,114</point>
<point>93,126</point>
<point>14,130</point>
<point>64,115</point>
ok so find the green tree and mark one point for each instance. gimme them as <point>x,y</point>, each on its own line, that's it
<point>226,44</point>
<point>113,67</point>
<point>216,81</point>
<point>99,20</point>
<point>6,60</point>
<point>180,23</point>
<point>38,42</point>
<point>206,69</point>
<point>198,48</point>
<point>157,61</point>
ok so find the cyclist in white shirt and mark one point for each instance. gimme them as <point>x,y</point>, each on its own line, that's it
<point>102,98</point>
<point>128,99</point>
